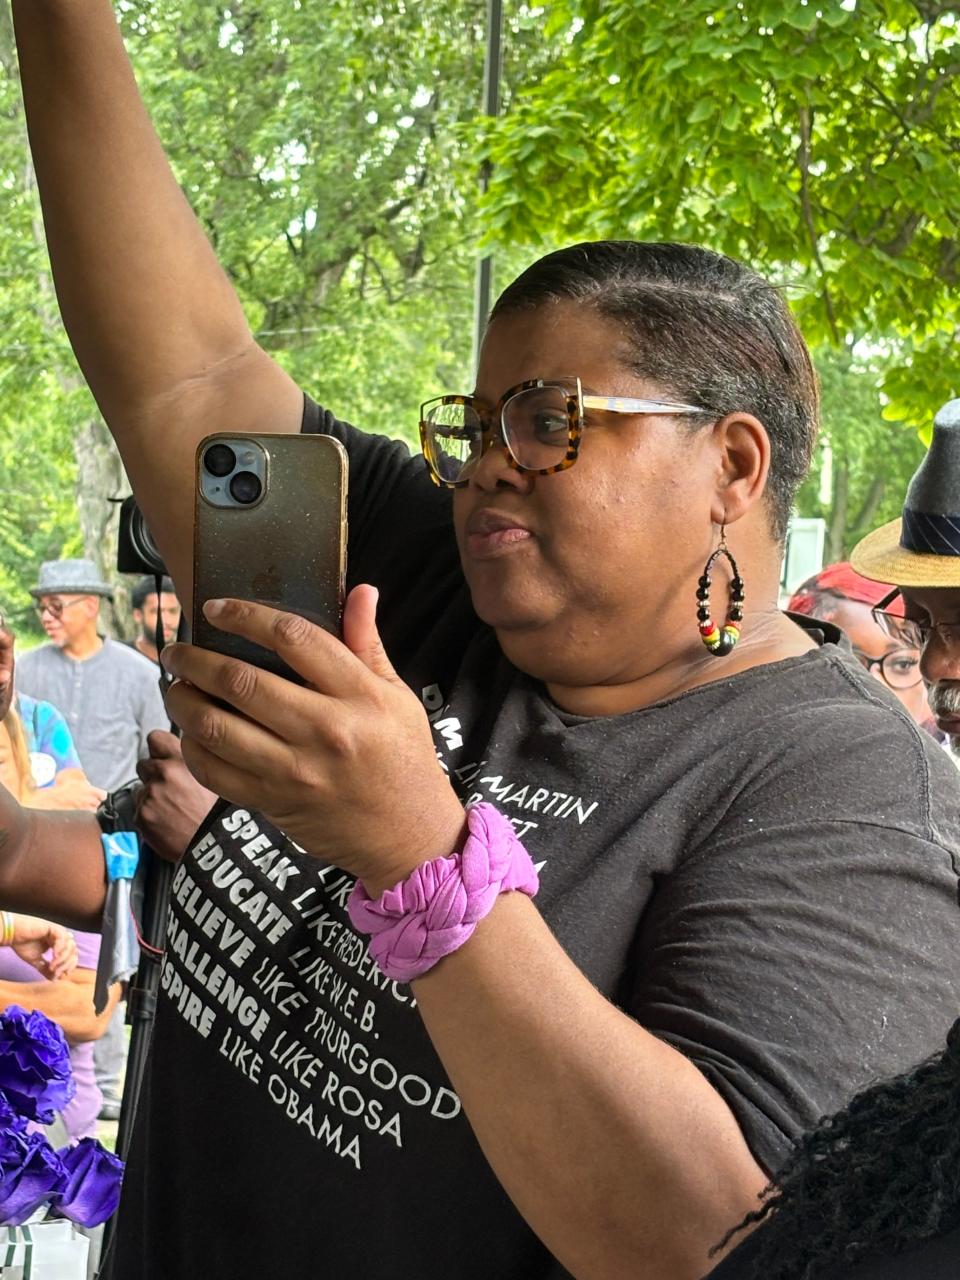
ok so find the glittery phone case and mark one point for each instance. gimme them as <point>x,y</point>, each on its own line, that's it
<point>286,550</point>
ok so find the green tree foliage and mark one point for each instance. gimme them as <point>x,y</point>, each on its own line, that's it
<point>331,153</point>
<point>862,465</point>
<point>324,151</point>
<point>322,148</point>
<point>38,414</point>
<point>818,141</point>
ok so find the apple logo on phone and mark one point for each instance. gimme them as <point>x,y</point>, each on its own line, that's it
<point>267,584</point>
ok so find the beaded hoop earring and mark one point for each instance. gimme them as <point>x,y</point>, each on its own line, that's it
<point>720,640</point>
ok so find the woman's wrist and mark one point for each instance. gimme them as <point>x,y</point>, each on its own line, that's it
<point>442,835</point>
<point>435,910</point>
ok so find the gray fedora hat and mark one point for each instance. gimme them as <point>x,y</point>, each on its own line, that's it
<point>922,549</point>
<point>70,578</point>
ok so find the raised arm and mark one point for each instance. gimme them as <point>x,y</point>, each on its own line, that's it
<point>156,326</point>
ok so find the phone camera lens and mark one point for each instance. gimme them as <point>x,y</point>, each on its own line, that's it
<point>245,487</point>
<point>220,460</point>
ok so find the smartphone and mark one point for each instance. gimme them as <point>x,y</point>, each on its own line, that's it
<point>270,525</point>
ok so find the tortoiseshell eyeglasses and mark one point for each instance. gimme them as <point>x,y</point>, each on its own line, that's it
<point>539,423</point>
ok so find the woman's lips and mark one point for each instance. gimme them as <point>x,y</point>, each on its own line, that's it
<point>491,533</point>
<point>484,545</point>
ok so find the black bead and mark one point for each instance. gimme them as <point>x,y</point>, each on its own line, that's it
<point>736,615</point>
<point>723,646</point>
<point>703,593</point>
<point>704,581</point>
<point>703,614</point>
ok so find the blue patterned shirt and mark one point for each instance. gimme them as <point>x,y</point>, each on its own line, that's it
<point>48,740</point>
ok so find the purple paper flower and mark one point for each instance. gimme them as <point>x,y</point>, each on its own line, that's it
<point>30,1173</point>
<point>9,1118</point>
<point>35,1074</point>
<point>90,1190</point>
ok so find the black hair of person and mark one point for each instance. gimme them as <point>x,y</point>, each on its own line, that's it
<point>874,1180</point>
<point>147,586</point>
<point>704,329</point>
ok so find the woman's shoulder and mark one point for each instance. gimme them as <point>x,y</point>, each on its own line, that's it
<point>818,738</point>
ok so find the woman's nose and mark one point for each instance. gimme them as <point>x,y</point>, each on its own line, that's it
<point>493,470</point>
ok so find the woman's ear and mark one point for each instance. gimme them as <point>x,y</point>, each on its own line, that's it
<point>743,452</point>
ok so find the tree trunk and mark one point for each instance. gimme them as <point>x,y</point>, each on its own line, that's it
<point>101,481</point>
<point>864,521</point>
<point>837,524</point>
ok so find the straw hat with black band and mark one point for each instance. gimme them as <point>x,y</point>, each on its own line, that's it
<point>922,548</point>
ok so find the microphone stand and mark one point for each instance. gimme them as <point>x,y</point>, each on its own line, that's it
<point>157,879</point>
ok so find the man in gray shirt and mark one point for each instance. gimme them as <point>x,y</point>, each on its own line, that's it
<point>110,696</point>
<point>108,693</point>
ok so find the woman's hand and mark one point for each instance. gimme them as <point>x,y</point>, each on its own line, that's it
<point>346,767</point>
<point>70,790</point>
<point>34,938</point>
<point>171,804</point>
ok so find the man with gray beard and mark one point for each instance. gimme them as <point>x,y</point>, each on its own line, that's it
<point>921,553</point>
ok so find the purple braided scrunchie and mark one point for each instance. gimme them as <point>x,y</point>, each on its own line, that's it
<point>436,909</point>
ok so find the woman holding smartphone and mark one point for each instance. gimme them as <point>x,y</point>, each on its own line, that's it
<point>527,935</point>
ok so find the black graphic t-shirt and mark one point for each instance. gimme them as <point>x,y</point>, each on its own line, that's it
<point>761,871</point>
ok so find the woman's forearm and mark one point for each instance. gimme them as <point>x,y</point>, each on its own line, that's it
<point>613,1146</point>
<point>51,864</point>
<point>69,1004</point>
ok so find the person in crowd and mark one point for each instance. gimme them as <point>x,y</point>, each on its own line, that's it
<point>111,699</point>
<point>109,695</point>
<point>35,777</point>
<point>891,652</point>
<point>64,992</point>
<point>56,774</point>
<point>147,605</point>
<point>578,686</point>
<point>920,547</point>
<point>872,1192</point>
<point>37,750</point>
<point>48,948</point>
<point>74,957</point>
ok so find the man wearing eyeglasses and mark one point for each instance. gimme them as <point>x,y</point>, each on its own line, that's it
<point>108,693</point>
<point>111,699</point>
<point>920,552</point>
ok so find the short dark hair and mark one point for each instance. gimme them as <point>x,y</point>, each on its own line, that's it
<point>706,329</point>
<point>147,586</point>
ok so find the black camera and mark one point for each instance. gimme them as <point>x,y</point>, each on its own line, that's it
<point>136,550</point>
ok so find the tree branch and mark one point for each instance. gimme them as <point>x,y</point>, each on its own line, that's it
<point>803,164</point>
